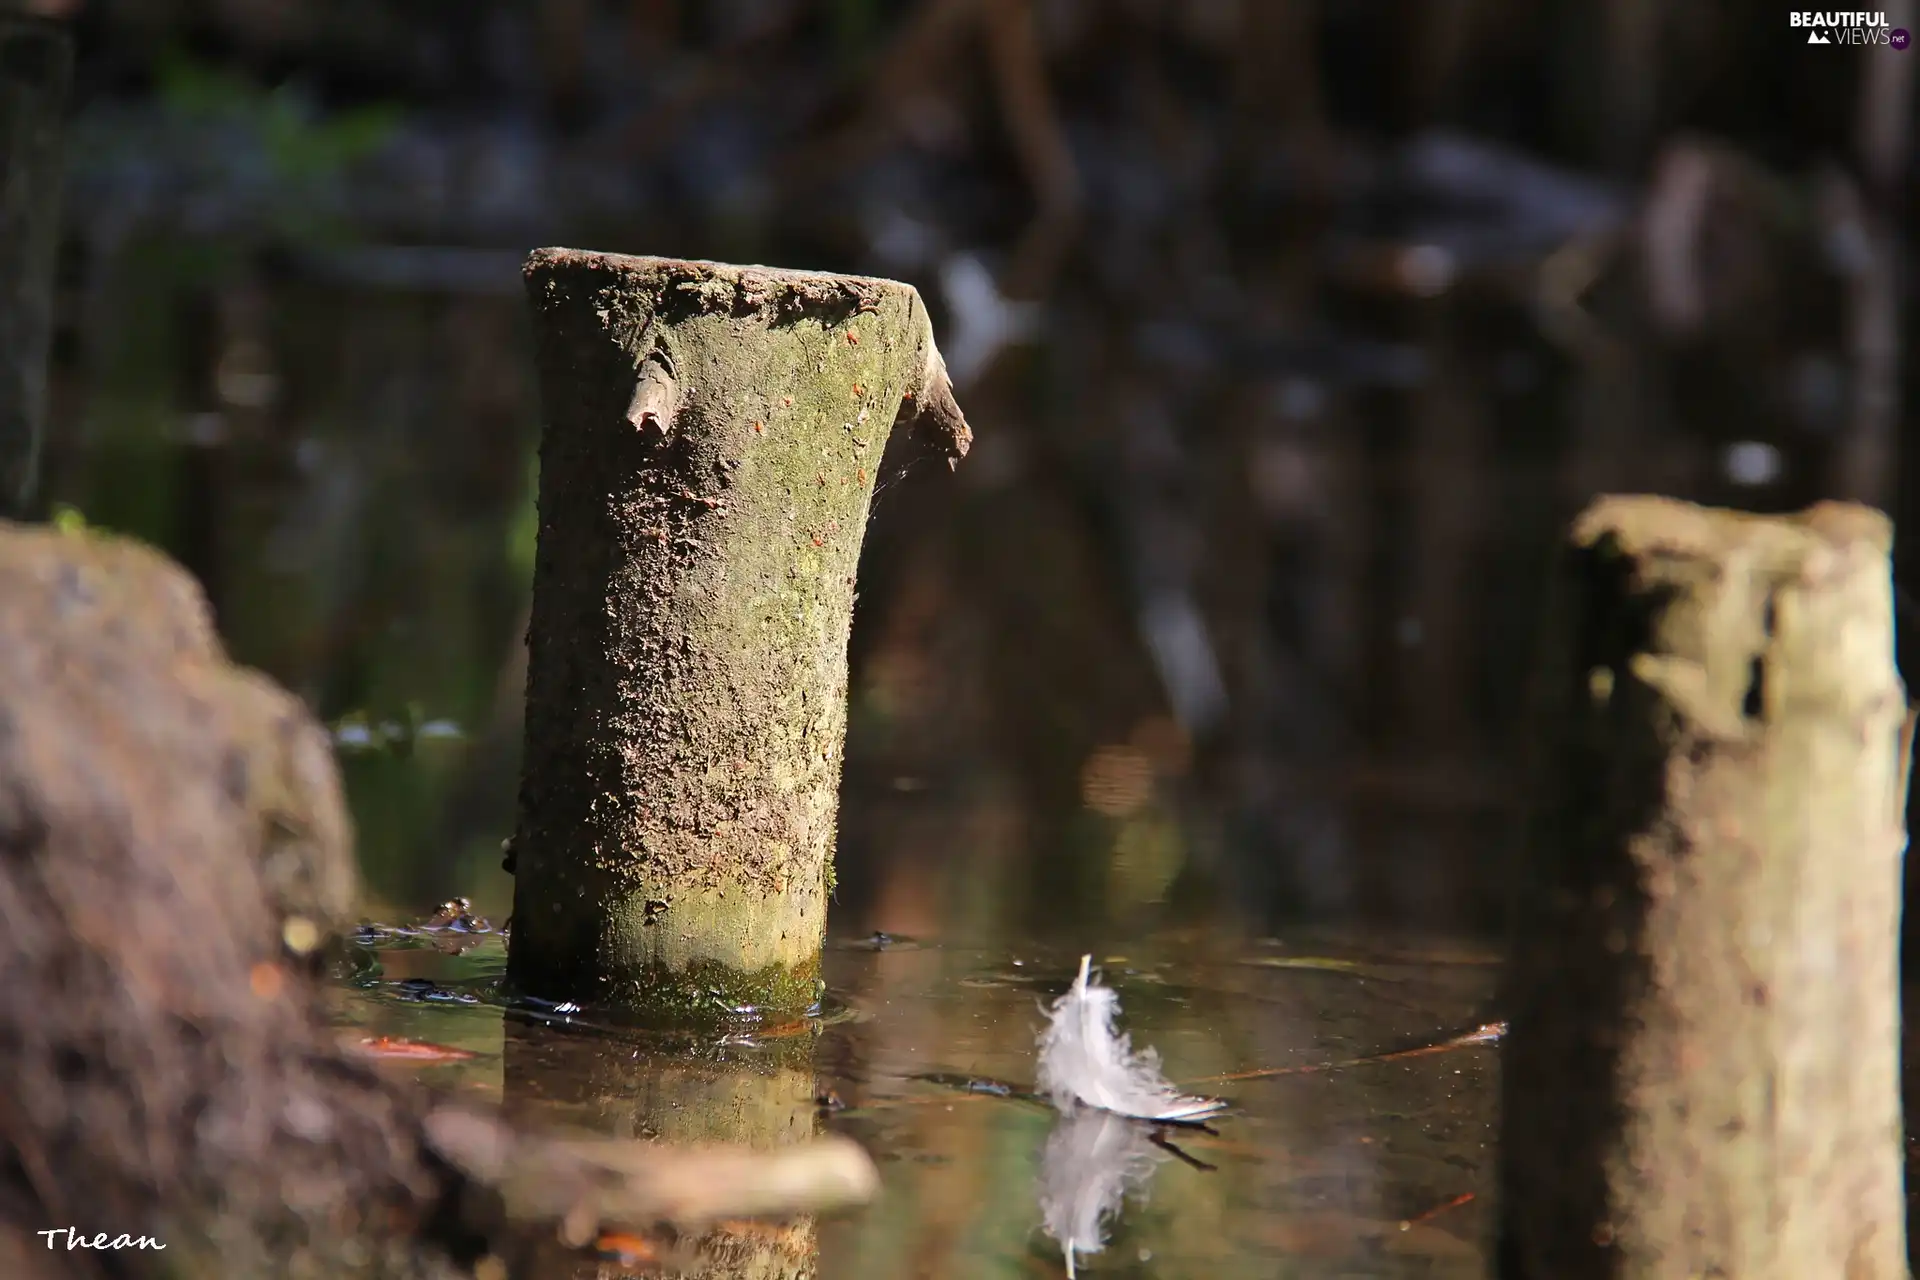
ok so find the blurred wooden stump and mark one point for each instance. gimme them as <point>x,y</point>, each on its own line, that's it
<point>1702,1072</point>
<point>174,848</point>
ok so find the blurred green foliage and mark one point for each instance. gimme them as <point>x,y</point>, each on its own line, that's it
<point>301,142</point>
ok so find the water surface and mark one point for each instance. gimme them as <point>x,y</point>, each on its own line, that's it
<point>1354,1154</point>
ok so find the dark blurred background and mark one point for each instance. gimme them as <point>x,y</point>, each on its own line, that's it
<point>1291,333</point>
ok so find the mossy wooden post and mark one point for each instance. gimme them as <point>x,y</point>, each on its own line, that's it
<point>713,435</point>
<point>1701,1077</point>
<point>36,63</point>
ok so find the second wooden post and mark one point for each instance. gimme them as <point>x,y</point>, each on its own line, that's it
<point>1701,1077</point>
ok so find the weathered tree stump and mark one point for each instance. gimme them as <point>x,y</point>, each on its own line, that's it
<point>1701,1077</point>
<point>171,827</point>
<point>713,434</point>
<point>36,63</point>
<point>173,848</point>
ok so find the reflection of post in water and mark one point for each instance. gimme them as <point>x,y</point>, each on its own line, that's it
<point>1432,735</point>
<point>36,62</point>
<point>1442,474</point>
<point>760,1097</point>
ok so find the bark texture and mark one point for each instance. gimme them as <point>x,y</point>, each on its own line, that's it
<point>171,826</point>
<point>1702,1073</point>
<point>173,850</point>
<point>713,434</point>
<point>36,64</point>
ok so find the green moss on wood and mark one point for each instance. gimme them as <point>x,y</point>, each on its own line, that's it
<point>712,439</point>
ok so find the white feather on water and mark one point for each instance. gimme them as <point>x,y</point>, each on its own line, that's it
<point>1084,1060</point>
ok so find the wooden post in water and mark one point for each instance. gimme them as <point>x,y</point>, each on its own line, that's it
<point>713,435</point>
<point>1701,1076</point>
<point>36,63</point>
